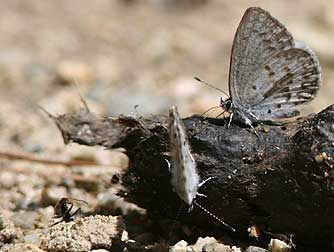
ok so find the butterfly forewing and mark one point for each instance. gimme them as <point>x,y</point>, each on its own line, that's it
<point>269,73</point>
<point>185,178</point>
<point>259,36</point>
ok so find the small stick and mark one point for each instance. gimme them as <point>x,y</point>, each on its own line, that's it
<point>32,158</point>
<point>55,176</point>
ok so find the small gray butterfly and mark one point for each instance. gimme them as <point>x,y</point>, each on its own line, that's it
<point>185,178</point>
<point>270,73</point>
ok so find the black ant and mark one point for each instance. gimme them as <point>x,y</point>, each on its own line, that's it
<point>63,209</point>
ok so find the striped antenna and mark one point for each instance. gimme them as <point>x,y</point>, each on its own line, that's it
<point>212,86</point>
<point>215,217</point>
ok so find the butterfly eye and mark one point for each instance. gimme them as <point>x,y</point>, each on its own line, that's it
<point>228,103</point>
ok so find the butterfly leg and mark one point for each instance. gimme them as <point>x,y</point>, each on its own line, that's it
<point>220,114</point>
<point>168,164</point>
<point>204,181</point>
<point>254,130</point>
<point>201,184</point>
<point>248,122</point>
<point>230,120</point>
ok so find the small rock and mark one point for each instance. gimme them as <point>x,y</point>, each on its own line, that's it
<point>277,245</point>
<point>125,236</point>
<point>209,244</point>
<point>84,234</point>
<point>255,249</point>
<point>321,157</point>
<point>236,249</point>
<point>181,246</point>
<point>216,247</point>
<point>8,231</point>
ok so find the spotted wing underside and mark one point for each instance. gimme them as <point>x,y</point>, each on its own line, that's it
<point>269,73</point>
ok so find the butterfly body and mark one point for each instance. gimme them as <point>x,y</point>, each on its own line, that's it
<point>270,74</point>
<point>238,113</point>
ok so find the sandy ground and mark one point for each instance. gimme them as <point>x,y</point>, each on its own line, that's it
<point>118,54</point>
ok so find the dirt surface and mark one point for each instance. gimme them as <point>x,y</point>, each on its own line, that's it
<point>116,54</point>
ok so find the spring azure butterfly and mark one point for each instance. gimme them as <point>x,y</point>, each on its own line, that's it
<point>270,73</point>
<point>185,178</point>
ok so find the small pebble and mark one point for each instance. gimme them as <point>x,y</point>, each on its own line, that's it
<point>321,157</point>
<point>181,246</point>
<point>277,245</point>
<point>255,249</point>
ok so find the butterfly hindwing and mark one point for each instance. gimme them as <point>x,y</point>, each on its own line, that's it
<point>290,78</point>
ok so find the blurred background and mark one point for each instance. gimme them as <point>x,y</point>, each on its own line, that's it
<point>117,54</point>
<point>123,53</point>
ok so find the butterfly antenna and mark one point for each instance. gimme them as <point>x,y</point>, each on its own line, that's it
<point>215,217</point>
<point>212,86</point>
<point>212,108</point>
<point>220,114</point>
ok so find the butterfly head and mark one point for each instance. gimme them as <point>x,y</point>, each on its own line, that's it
<point>226,105</point>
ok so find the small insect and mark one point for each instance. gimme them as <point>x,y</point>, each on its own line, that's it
<point>63,209</point>
<point>269,73</point>
<point>185,178</point>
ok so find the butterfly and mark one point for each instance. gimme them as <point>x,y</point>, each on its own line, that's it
<point>185,179</point>
<point>269,72</point>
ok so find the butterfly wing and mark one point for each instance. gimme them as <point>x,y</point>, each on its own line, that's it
<point>267,68</point>
<point>259,36</point>
<point>290,78</point>
<point>185,179</point>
